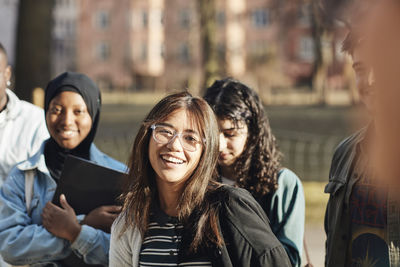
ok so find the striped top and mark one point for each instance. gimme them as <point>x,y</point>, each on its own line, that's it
<point>161,244</point>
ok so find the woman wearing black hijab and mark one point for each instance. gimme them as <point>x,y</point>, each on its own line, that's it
<point>41,233</point>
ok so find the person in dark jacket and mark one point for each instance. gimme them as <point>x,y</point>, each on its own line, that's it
<point>173,213</point>
<point>34,231</point>
<point>362,218</point>
<point>249,158</point>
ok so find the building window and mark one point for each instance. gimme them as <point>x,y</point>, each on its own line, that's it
<point>184,54</point>
<point>162,51</point>
<point>145,19</point>
<point>221,51</point>
<point>184,18</point>
<point>306,49</point>
<point>102,20</point>
<point>162,18</point>
<point>305,15</point>
<point>70,27</point>
<point>258,51</point>
<point>260,18</point>
<point>221,18</point>
<point>103,51</point>
<point>143,52</point>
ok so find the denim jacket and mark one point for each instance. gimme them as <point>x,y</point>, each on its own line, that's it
<point>23,239</point>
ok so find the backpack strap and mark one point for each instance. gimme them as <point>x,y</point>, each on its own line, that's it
<point>29,179</point>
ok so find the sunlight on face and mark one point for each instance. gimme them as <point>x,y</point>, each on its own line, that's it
<point>232,141</point>
<point>68,120</point>
<point>171,162</point>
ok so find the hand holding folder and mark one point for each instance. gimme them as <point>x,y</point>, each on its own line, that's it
<point>87,185</point>
<point>89,189</point>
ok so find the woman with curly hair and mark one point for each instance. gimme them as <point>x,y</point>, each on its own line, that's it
<point>249,158</point>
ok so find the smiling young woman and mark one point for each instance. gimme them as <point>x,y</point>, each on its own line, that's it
<point>45,234</point>
<point>173,213</point>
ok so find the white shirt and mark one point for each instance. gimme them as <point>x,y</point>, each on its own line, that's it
<point>22,131</point>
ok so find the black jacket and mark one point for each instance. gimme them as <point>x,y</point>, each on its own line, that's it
<point>342,178</point>
<point>248,238</point>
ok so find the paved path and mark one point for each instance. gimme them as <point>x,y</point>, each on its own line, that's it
<point>315,237</point>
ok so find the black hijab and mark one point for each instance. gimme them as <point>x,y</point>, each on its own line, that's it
<point>55,155</point>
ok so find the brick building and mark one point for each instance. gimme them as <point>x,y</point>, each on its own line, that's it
<point>63,46</point>
<point>104,42</point>
<point>156,45</point>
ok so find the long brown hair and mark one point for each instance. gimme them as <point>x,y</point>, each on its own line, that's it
<point>258,166</point>
<point>141,190</point>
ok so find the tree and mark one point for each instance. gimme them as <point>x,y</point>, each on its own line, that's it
<point>33,46</point>
<point>210,66</point>
<point>320,66</point>
<point>324,15</point>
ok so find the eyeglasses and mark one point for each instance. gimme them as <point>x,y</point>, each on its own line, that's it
<point>190,141</point>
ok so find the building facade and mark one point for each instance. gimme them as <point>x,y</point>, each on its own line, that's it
<point>156,44</point>
<point>64,34</point>
<point>103,42</point>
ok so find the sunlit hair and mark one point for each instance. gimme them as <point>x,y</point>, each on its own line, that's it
<point>141,190</point>
<point>258,166</point>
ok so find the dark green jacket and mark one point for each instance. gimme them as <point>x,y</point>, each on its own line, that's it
<point>342,178</point>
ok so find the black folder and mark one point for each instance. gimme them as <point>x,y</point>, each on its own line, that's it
<point>87,185</point>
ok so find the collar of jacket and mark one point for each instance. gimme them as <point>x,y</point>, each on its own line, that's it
<point>345,156</point>
<point>13,107</point>
<point>38,161</point>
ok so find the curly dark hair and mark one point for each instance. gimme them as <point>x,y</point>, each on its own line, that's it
<point>258,166</point>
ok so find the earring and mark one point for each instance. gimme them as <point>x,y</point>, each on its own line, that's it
<point>8,83</point>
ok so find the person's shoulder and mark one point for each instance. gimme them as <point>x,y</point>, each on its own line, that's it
<point>345,153</point>
<point>349,142</point>
<point>26,106</point>
<point>119,224</point>
<point>120,227</point>
<point>117,165</point>
<point>31,115</point>
<point>247,222</point>
<point>235,198</point>
<point>104,160</point>
<point>16,176</point>
<point>232,193</point>
<point>288,179</point>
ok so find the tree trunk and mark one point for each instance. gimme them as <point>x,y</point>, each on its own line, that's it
<point>208,33</point>
<point>33,46</point>
<point>319,67</point>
